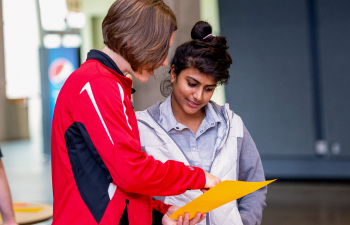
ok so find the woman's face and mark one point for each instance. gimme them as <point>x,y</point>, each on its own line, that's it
<point>145,74</point>
<point>192,90</point>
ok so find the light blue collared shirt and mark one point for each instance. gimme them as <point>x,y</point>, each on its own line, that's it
<point>198,147</point>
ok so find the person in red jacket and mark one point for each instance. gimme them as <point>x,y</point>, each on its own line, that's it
<point>100,174</point>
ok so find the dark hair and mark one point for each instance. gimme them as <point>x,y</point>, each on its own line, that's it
<point>140,31</point>
<point>208,56</point>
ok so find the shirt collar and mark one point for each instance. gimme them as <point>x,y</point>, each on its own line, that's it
<point>211,115</point>
<point>168,121</point>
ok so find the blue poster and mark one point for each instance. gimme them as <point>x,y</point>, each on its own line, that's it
<point>62,63</point>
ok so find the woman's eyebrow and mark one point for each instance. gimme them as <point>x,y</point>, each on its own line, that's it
<point>210,85</point>
<point>193,79</point>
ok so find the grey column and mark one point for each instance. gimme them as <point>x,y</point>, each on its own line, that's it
<point>3,100</point>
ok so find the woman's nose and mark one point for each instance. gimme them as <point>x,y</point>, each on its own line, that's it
<point>198,95</point>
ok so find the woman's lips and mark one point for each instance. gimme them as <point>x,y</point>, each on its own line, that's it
<point>192,104</point>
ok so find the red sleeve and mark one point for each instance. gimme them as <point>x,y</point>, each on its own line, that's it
<point>108,117</point>
<point>160,206</point>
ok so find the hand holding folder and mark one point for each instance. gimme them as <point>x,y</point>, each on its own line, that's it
<point>219,195</point>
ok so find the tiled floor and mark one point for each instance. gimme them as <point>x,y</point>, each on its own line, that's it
<point>28,172</point>
<point>29,175</point>
<point>308,203</point>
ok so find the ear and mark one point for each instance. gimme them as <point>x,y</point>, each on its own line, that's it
<point>172,74</point>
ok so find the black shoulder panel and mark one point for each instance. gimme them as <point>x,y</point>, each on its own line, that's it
<point>90,173</point>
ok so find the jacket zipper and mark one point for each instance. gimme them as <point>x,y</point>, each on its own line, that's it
<point>208,222</point>
<point>124,220</point>
<point>228,131</point>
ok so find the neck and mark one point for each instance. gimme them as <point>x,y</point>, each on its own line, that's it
<point>192,121</point>
<point>122,64</point>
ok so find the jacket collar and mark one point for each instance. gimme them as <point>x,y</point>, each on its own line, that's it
<point>106,61</point>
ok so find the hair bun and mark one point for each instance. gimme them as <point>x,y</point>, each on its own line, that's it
<point>200,30</point>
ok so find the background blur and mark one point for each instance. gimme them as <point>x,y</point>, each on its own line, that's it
<point>290,83</point>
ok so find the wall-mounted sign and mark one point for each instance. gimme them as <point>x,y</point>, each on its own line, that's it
<point>62,63</point>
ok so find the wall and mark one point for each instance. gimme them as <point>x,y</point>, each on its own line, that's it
<point>13,113</point>
<point>290,82</point>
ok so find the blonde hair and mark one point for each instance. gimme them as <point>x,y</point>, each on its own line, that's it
<point>140,31</point>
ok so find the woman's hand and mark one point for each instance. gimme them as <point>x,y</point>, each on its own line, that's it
<point>181,221</point>
<point>210,182</point>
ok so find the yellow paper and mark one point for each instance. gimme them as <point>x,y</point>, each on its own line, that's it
<point>219,195</point>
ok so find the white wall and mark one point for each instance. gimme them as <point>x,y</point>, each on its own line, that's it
<point>21,39</point>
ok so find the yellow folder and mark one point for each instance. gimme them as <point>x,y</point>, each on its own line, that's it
<point>219,195</point>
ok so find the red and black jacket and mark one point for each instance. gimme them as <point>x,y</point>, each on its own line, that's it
<point>99,173</point>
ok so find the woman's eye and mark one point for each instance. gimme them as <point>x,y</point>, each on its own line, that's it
<point>191,84</point>
<point>209,89</point>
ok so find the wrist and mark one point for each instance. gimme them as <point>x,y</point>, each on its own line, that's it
<point>172,209</point>
<point>166,209</point>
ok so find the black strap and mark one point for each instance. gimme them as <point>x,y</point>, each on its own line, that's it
<point>157,217</point>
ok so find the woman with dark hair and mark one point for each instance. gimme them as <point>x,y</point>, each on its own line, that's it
<point>100,174</point>
<point>190,128</point>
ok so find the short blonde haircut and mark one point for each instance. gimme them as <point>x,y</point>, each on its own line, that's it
<point>140,31</point>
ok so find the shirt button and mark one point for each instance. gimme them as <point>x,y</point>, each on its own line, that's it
<point>201,131</point>
<point>212,124</point>
<point>194,149</point>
